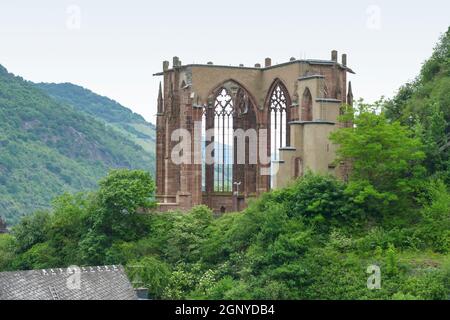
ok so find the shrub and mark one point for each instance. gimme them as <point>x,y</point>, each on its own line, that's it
<point>150,273</point>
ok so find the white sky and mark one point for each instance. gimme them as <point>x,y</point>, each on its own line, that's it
<point>116,46</point>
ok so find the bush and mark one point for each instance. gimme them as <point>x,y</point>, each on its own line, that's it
<point>316,196</point>
<point>434,228</point>
<point>150,273</point>
<point>6,251</point>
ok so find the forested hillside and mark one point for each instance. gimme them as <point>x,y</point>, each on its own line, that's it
<point>47,148</point>
<point>424,106</point>
<point>106,110</point>
<point>319,238</point>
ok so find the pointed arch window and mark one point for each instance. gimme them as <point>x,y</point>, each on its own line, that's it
<point>278,119</point>
<point>223,141</point>
<point>228,108</point>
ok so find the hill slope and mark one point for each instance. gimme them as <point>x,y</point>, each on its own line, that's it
<point>47,148</point>
<point>106,110</point>
<point>424,104</point>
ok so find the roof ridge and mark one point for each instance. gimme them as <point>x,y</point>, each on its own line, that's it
<point>77,269</point>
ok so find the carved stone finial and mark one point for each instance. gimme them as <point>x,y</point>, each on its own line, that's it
<point>334,55</point>
<point>176,62</point>
<point>160,99</point>
<point>165,65</point>
<point>344,59</point>
<point>350,94</point>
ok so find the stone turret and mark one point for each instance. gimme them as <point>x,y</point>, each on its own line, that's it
<point>350,94</point>
<point>160,100</point>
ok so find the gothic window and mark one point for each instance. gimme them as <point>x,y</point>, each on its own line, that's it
<point>307,106</point>
<point>278,117</point>
<point>223,142</point>
<point>230,108</point>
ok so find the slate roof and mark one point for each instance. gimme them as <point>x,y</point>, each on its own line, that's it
<point>95,283</point>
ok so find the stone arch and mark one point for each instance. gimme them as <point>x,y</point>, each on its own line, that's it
<point>278,108</point>
<point>306,108</point>
<point>228,84</point>
<point>277,99</point>
<point>240,113</point>
<point>275,82</point>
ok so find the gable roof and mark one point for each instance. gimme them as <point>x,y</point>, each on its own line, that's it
<point>95,283</point>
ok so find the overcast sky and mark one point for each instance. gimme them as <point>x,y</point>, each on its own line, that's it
<point>114,47</point>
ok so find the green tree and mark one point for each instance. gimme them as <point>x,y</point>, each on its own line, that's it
<point>322,198</point>
<point>424,105</point>
<point>31,230</point>
<point>151,273</point>
<point>113,213</point>
<point>6,251</point>
<point>187,233</point>
<point>385,156</point>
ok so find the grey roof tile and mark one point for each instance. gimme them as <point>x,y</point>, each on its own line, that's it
<point>96,283</point>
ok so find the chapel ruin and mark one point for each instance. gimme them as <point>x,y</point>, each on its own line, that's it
<point>290,108</point>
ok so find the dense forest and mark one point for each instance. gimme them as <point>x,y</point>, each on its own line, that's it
<point>48,147</point>
<point>315,239</point>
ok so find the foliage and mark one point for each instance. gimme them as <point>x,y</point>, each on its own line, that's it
<point>424,106</point>
<point>312,240</point>
<point>151,273</point>
<point>6,251</point>
<point>435,227</point>
<point>84,229</point>
<point>32,230</point>
<point>113,212</point>
<point>48,148</point>
<point>385,157</point>
<point>276,249</point>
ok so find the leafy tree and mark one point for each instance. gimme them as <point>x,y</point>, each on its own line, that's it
<point>187,233</point>
<point>40,256</point>
<point>151,273</point>
<point>424,105</point>
<point>385,156</point>
<point>67,226</point>
<point>31,231</point>
<point>322,198</point>
<point>435,214</point>
<point>114,212</point>
<point>7,254</point>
